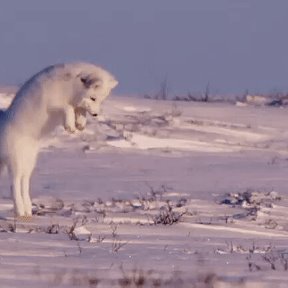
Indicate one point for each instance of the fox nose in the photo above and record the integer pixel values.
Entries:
(95, 114)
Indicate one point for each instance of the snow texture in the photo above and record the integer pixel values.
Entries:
(155, 194)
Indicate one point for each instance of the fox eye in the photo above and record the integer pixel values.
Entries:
(93, 99)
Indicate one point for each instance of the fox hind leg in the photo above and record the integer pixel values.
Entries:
(25, 189)
(20, 170)
(25, 181)
(16, 193)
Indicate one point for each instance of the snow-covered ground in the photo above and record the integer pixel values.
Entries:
(156, 194)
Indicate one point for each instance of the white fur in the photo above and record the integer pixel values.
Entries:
(58, 95)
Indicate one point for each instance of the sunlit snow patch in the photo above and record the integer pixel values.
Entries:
(146, 142)
(5, 100)
(136, 109)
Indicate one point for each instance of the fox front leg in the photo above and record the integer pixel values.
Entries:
(69, 119)
(80, 118)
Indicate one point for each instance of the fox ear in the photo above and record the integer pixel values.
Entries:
(113, 83)
(86, 81)
(89, 81)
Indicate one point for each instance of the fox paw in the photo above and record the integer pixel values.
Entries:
(70, 129)
(80, 126)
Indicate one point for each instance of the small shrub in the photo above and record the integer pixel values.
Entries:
(167, 216)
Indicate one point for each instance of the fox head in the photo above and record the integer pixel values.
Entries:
(94, 85)
(96, 90)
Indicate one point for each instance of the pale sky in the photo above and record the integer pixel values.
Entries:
(234, 45)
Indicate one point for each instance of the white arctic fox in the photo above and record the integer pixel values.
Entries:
(58, 95)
